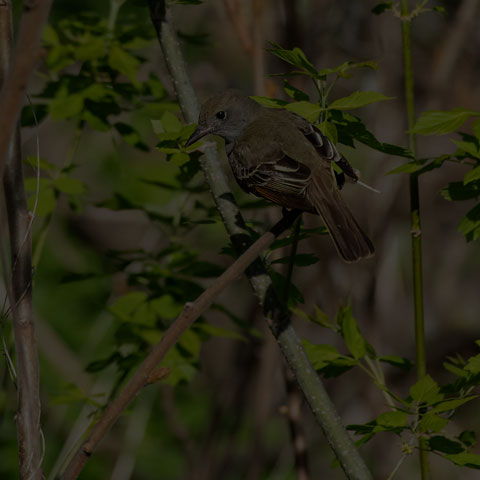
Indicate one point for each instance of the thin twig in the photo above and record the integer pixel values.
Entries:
(144, 373)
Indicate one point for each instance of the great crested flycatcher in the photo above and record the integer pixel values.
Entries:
(280, 156)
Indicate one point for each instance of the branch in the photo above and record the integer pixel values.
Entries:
(30, 448)
(274, 308)
(146, 373)
(35, 14)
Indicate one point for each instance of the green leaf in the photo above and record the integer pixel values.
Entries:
(468, 438)
(330, 130)
(91, 49)
(409, 167)
(476, 128)
(452, 404)
(38, 162)
(124, 62)
(180, 158)
(356, 100)
(294, 57)
(473, 364)
(69, 185)
(393, 419)
(269, 102)
(308, 110)
(352, 128)
(467, 148)
(300, 260)
(470, 224)
(459, 372)
(322, 318)
(443, 444)
(328, 359)
(215, 331)
(472, 175)
(353, 338)
(341, 70)
(426, 390)
(400, 362)
(465, 459)
(432, 422)
(166, 306)
(126, 305)
(458, 191)
(436, 122)
(294, 92)
(191, 342)
(170, 122)
(181, 368)
(46, 202)
(130, 135)
(65, 105)
(381, 7)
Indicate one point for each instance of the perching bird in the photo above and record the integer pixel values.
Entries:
(280, 156)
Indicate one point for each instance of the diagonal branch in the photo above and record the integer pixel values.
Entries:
(147, 372)
(275, 309)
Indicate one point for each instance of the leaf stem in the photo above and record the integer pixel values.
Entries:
(416, 232)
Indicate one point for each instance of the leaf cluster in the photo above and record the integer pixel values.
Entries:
(428, 408)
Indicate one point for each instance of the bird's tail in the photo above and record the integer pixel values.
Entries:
(351, 242)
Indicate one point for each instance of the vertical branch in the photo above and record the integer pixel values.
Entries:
(416, 231)
(27, 53)
(279, 317)
(30, 448)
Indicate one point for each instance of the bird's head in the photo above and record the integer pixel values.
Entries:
(225, 114)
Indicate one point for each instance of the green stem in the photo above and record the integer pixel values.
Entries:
(416, 232)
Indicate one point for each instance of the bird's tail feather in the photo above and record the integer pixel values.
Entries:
(351, 242)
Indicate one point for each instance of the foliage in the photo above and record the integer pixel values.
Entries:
(428, 408)
(98, 80)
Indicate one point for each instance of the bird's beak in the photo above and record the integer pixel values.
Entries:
(199, 132)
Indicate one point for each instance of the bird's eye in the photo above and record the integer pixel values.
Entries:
(221, 115)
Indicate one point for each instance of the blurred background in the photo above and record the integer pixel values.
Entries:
(223, 415)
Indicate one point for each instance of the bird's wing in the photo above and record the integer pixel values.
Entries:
(263, 168)
(324, 147)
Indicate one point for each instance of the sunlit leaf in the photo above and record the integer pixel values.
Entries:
(470, 224)
(436, 122)
(393, 419)
(308, 110)
(353, 338)
(465, 459)
(426, 390)
(356, 100)
(124, 62)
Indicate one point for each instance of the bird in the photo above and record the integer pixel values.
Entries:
(278, 155)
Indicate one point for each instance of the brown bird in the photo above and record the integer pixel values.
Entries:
(278, 155)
